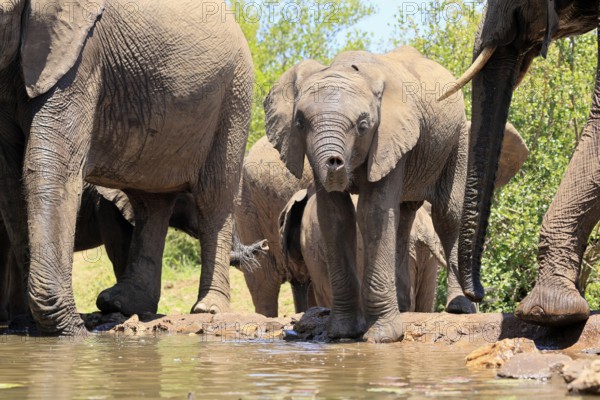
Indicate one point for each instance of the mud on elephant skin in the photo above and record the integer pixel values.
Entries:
(302, 244)
(505, 47)
(391, 146)
(79, 102)
(266, 187)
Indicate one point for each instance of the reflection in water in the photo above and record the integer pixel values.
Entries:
(103, 367)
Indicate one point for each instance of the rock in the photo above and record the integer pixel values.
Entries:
(572, 370)
(313, 324)
(588, 380)
(131, 327)
(533, 366)
(495, 355)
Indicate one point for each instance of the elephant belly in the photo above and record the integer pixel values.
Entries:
(162, 155)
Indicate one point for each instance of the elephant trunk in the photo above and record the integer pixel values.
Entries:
(329, 154)
(492, 95)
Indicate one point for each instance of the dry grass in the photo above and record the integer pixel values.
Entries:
(92, 273)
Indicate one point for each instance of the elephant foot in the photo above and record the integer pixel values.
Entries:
(387, 329)
(460, 304)
(348, 326)
(553, 306)
(212, 303)
(127, 299)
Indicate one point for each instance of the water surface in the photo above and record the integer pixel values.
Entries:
(182, 367)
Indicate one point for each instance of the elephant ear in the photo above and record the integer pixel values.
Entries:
(279, 113)
(512, 157)
(120, 200)
(54, 33)
(290, 224)
(399, 124)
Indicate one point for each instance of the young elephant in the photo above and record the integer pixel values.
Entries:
(370, 125)
(302, 243)
(266, 187)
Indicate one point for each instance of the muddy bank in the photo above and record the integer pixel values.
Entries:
(468, 331)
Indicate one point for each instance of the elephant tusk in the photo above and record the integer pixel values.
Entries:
(469, 74)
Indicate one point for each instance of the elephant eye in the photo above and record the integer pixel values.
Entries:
(299, 123)
(363, 126)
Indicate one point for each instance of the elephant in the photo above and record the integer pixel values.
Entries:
(369, 126)
(106, 218)
(151, 98)
(302, 244)
(265, 188)
(511, 34)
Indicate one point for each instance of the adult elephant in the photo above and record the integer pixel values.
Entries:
(266, 187)
(149, 97)
(511, 35)
(106, 218)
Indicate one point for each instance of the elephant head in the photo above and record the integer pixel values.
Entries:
(511, 35)
(48, 35)
(341, 117)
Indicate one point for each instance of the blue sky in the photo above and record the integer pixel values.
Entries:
(380, 23)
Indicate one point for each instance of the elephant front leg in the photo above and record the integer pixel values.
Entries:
(379, 219)
(575, 210)
(138, 289)
(337, 220)
(53, 197)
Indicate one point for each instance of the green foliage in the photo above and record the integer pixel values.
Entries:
(283, 36)
(549, 109)
(181, 251)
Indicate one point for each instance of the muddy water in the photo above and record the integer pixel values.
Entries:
(182, 367)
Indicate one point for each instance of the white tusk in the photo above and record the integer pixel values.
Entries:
(469, 74)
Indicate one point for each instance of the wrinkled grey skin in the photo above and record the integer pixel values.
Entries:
(266, 187)
(365, 133)
(302, 242)
(518, 29)
(369, 127)
(106, 218)
(103, 92)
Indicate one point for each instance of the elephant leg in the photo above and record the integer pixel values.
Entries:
(117, 234)
(379, 218)
(264, 285)
(404, 276)
(575, 210)
(337, 220)
(14, 240)
(446, 215)
(6, 293)
(218, 184)
(54, 184)
(300, 293)
(427, 275)
(312, 296)
(138, 290)
(16, 301)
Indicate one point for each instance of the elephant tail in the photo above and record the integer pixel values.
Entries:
(244, 257)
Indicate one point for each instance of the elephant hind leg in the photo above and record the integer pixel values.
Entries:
(217, 186)
(264, 284)
(575, 210)
(138, 289)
